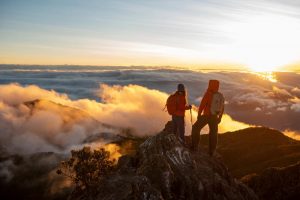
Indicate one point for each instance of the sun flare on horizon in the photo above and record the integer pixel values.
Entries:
(267, 75)
(265, 43)
(263, 69)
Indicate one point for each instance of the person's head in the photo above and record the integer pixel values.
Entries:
(213, 85)
(181, 88)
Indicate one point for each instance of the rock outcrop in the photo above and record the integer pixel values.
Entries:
(164, 169)
(276, 183)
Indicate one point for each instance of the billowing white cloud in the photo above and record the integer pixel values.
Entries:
(282, 109)
(295, 107)
(14, 94)
(257, 109)
(296, 91)
(58, 123)
(281, 91)
(255, 98)
(292, 134)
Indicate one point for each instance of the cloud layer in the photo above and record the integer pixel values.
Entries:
(132, 99)
(57, 123)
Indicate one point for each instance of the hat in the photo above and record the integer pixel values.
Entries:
(180, 88)
(213, 85)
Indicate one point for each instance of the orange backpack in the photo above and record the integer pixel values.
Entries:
(172, 104)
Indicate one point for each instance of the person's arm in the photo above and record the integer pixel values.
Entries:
(187, 107)
(222, 112)
(221, 115)
(203, 103)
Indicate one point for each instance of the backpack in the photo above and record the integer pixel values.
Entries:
(217, 103)
(172, 104)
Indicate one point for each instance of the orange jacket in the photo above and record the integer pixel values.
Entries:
(205, 104)
(181, 104)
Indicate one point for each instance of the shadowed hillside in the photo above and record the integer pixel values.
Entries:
(252, 150)
(32, 177)
(276, 183)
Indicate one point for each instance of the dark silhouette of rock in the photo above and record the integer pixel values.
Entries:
(276, 183)
(164, 169)
(32, 177)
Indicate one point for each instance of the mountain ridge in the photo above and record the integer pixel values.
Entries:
(254, 149)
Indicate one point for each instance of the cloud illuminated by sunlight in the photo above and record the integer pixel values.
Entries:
(292, 134)
(267, 75)
(49, 128)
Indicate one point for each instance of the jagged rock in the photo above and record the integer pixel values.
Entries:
(164, 169)
(276, 183)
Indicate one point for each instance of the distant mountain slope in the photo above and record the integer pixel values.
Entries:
(73, 116)
(68, 114)
(252, 150)
(276, 183)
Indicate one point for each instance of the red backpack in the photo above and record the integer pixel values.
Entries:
(172, 104)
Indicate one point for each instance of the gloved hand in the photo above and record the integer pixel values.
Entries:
(219, 120)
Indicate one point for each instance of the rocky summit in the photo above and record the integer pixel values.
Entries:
(164, 169)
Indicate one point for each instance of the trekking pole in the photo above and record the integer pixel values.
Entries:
(191, 116)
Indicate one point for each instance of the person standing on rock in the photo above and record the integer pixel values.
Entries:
(176, 105)
(210, 112)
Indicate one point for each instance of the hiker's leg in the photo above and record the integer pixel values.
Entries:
(174, 122)
(196, 128)
(181, 128)
(213, 134)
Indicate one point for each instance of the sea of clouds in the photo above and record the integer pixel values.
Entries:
(57, 123)
(133, 97)
(250, 98)
(59, 108)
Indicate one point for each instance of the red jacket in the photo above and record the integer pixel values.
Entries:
(181, 104)
(205, 104)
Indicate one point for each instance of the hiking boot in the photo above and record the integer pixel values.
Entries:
(194, 148)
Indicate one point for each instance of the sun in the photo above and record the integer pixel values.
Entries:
(263, 68)
(266, 42)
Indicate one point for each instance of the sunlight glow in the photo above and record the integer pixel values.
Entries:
(265, 43)
(269, 76)
(264, 69)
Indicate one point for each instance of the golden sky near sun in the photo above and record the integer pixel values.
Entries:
(262, 36)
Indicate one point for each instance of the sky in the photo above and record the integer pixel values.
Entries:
(261, 35)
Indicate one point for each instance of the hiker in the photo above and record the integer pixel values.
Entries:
(210, 112)
(176, 106)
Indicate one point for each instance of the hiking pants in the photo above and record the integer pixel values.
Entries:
(212, 121)
(178, 126)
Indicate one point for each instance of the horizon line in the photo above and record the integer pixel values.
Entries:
(242, 68)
